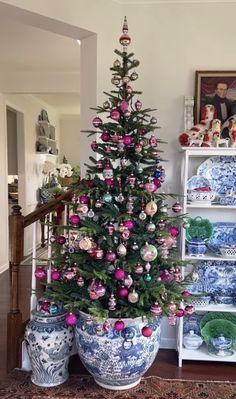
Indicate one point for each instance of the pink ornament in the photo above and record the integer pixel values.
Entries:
(97, 121)
(123, 106)
(138, 105)
(114, 114)
(156, 309)
(106, 325)
(129, 224)
(150, 187)
(177, 207)
(172, 320)
(147, 331)
(74, 220)
(174, 231)
(157, 182)
(110, 256)
(141, 131)
(119, 325)
(127, 140)
(94, 145)
(129, 89)
(69, 273)
(180, 312)
(61, 240)
(40, 273)
(71, 319)
(164, 275)
(55, 275)
(119, 274)
(100, 290)
(161, 224)
(123, 292)
(153, 141)
(45, 306)
(98, 253)
(138, 148)
(84, 199)
(138, 269)
(125, 40)
(186, 294)
(105, 136)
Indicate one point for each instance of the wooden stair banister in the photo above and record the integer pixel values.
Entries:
(17, 225)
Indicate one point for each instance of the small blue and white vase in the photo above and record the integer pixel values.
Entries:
(49, 343)
(196, 247)
(116, 359)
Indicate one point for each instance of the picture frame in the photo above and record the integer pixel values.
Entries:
(206, 84)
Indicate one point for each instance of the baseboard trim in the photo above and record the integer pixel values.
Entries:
(3, 268)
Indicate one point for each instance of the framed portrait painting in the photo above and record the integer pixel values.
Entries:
(217, 88)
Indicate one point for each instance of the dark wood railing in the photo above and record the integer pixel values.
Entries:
(17, 225)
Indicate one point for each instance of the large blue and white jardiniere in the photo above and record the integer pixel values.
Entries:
(49, 343)
(116, 359)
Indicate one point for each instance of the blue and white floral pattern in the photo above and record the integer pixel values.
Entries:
(215, 278)
(116, 359)
(49, 343)
(220, 171)
(223, 234)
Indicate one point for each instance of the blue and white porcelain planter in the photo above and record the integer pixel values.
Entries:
(49, 343)
(116, 359)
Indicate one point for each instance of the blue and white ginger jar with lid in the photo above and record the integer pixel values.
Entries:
(49, 343)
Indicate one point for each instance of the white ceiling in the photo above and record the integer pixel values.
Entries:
(26, 48)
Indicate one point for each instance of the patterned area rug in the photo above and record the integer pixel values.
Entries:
(19, 386)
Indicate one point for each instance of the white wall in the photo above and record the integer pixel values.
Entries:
(70, 139)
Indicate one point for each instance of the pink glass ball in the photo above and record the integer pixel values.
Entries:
(123, 106)
(174, 231)
(156, 309)
(105, 136)
(147, 331)
(61, 240)
(129, 224)
(94, 145)
(71, 319)
(180, 312)
(55, 275)
(110, 256)
(123, 292)
(150, 187)
(97, 121)
(119, 325)
(119, 274)
(127, 140)
(115, 115)
(40, 273)
(177, 207)
(74, 219)
(84, 199)
(138, 105)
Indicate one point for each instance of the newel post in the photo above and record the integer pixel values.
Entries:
(14, 319)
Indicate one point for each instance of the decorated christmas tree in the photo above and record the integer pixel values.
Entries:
(117, 257)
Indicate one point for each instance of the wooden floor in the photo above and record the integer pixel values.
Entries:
(165, 365)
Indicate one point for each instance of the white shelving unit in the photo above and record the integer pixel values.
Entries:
(192, 158)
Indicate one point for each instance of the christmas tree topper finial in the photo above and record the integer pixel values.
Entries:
(125, 39)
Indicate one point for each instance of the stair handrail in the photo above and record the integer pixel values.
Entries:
(17, 224)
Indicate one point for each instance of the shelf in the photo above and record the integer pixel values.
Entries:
(212, 206)
(200, 151)
(216, 308)
(202, 354)
(209, 257)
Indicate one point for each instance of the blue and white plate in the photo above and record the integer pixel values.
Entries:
(221, 171)
(216, 277)
(223, 234)
(197, 181)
